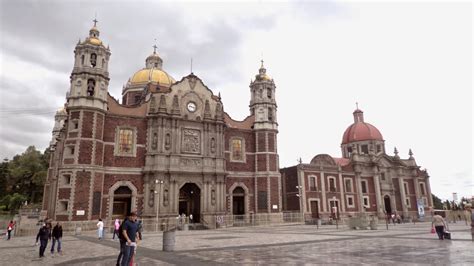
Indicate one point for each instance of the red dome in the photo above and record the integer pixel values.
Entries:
(361, 131)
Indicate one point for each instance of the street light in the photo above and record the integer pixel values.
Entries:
(300, 196)
(157, 194)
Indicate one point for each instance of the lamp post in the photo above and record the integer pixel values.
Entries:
(157, 202)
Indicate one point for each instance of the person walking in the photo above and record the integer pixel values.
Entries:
(100, 229)
(439, 224)
(10, 228)
(43, 235)
(130, 229)
(116, 228)
(57, 236)
(122, 240)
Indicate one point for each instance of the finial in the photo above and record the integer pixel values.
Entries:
(191, 65)
(154, 47)
(300, 160)
(95, 19)
(357, 106)
(395, 151)
(219, 95)
(262, 63)
(410, 153)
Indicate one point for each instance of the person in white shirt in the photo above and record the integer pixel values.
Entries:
(100, 229)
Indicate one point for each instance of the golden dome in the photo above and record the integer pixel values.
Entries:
(146, 75)
(93, 41)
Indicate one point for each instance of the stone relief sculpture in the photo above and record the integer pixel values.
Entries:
(165, 197)
(191, 141)
(213, 196)
(154, 143)
(151, 199)
(167, 141)
(213, 145)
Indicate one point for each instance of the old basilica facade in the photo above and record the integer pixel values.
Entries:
(169, 148)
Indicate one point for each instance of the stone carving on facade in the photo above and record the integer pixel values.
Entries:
(187, 162)
(219, 111)
(152, 105)
(154, 143)
(175, 110)
(167, 141)
(191, 142)
(165, 197)
(151, 199)
(213, 196)
(207, 110)
(192, 82)
(260, 114)
(162, 107)
(213, 145)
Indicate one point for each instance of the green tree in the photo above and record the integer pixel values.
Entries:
(27, 173)
(4, 177)
(437, 202)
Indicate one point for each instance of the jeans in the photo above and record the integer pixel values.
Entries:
(440, 231)
(127, 255)
(116, 232)
(44, 243)
(122, 249)
(100, 233)
(54, 242)
(9, 234)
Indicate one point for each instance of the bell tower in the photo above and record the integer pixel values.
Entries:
(90, 76)
(262, 101)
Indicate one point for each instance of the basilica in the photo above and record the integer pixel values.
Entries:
(168, 148)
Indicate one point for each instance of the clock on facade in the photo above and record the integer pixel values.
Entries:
(191, 107)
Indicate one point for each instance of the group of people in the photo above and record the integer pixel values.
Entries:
(46, 233)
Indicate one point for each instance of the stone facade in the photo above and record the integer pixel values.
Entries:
(365, 180)
(169, 148)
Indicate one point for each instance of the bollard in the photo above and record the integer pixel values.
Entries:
(168, 240)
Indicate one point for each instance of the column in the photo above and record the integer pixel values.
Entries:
(343, 200)
(378, 196)
(147, 195)
(359, 193)
(402, 196)
(323, 191)
(301, 190)
(428, 191)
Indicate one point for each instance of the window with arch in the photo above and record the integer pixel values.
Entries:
(90, 87)
(82, 59)
(269, 93)
(237, 152)
(348, 185)
(312, 183)
(93, 59)
(270, 114)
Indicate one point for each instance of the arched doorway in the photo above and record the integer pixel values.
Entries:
(388, 206)
(190, 201)
(238, 201)
(122, 202)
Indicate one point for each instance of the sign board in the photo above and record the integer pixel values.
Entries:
(421, 207)
(80, 212)
(275, 207)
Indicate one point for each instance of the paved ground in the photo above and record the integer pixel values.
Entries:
(405, 244)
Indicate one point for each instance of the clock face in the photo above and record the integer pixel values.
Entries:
(191, 107)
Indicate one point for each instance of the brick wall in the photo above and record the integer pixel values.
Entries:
(274, 193)
(81, 194)
(85, 152)
(64, 193)
(261, 162)
(87, 124)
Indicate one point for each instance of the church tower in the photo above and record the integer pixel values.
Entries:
(82, 174)
(90, 76)
(262, 101)
(264, 108)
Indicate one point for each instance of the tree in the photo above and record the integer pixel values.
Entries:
(27, 173)
(437, 202)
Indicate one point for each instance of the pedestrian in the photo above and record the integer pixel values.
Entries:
(130, 229)
(100, 229)
(140, 229)
(399, 219)
(10, 228)
(191, 218)
(57, 236)
(122, 240)
(439, 224)
(116, 228)
(43, 235)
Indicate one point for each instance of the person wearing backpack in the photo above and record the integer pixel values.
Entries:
(122, 240)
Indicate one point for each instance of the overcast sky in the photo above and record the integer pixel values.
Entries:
(409, 65)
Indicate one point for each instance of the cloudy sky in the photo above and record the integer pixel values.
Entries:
(409, 65)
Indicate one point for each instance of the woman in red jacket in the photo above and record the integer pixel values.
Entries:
(11, 226)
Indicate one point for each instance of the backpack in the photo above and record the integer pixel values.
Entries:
(120, 233)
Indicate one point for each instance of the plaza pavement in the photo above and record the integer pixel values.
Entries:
(404, 244)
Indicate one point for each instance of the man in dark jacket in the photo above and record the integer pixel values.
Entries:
(122, 240)
(43, 235)
(57, 237)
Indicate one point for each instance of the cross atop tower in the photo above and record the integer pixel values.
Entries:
(357, 105)
(95, 22)
(154, 48)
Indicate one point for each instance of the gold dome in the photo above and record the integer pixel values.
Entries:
(152, 75)
(93, 41)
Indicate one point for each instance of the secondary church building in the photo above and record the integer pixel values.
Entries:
(168, 147)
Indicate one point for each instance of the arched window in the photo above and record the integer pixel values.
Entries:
(269, 93)
(270, 114)
(90, 87)
(236, 150)
(93, 60)
(82, 59)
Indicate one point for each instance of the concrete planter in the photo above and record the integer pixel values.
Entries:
(168, 240)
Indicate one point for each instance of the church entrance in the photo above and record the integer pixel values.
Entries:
(190, 201)
(238, 201)
(388, 206)
(122, 202)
